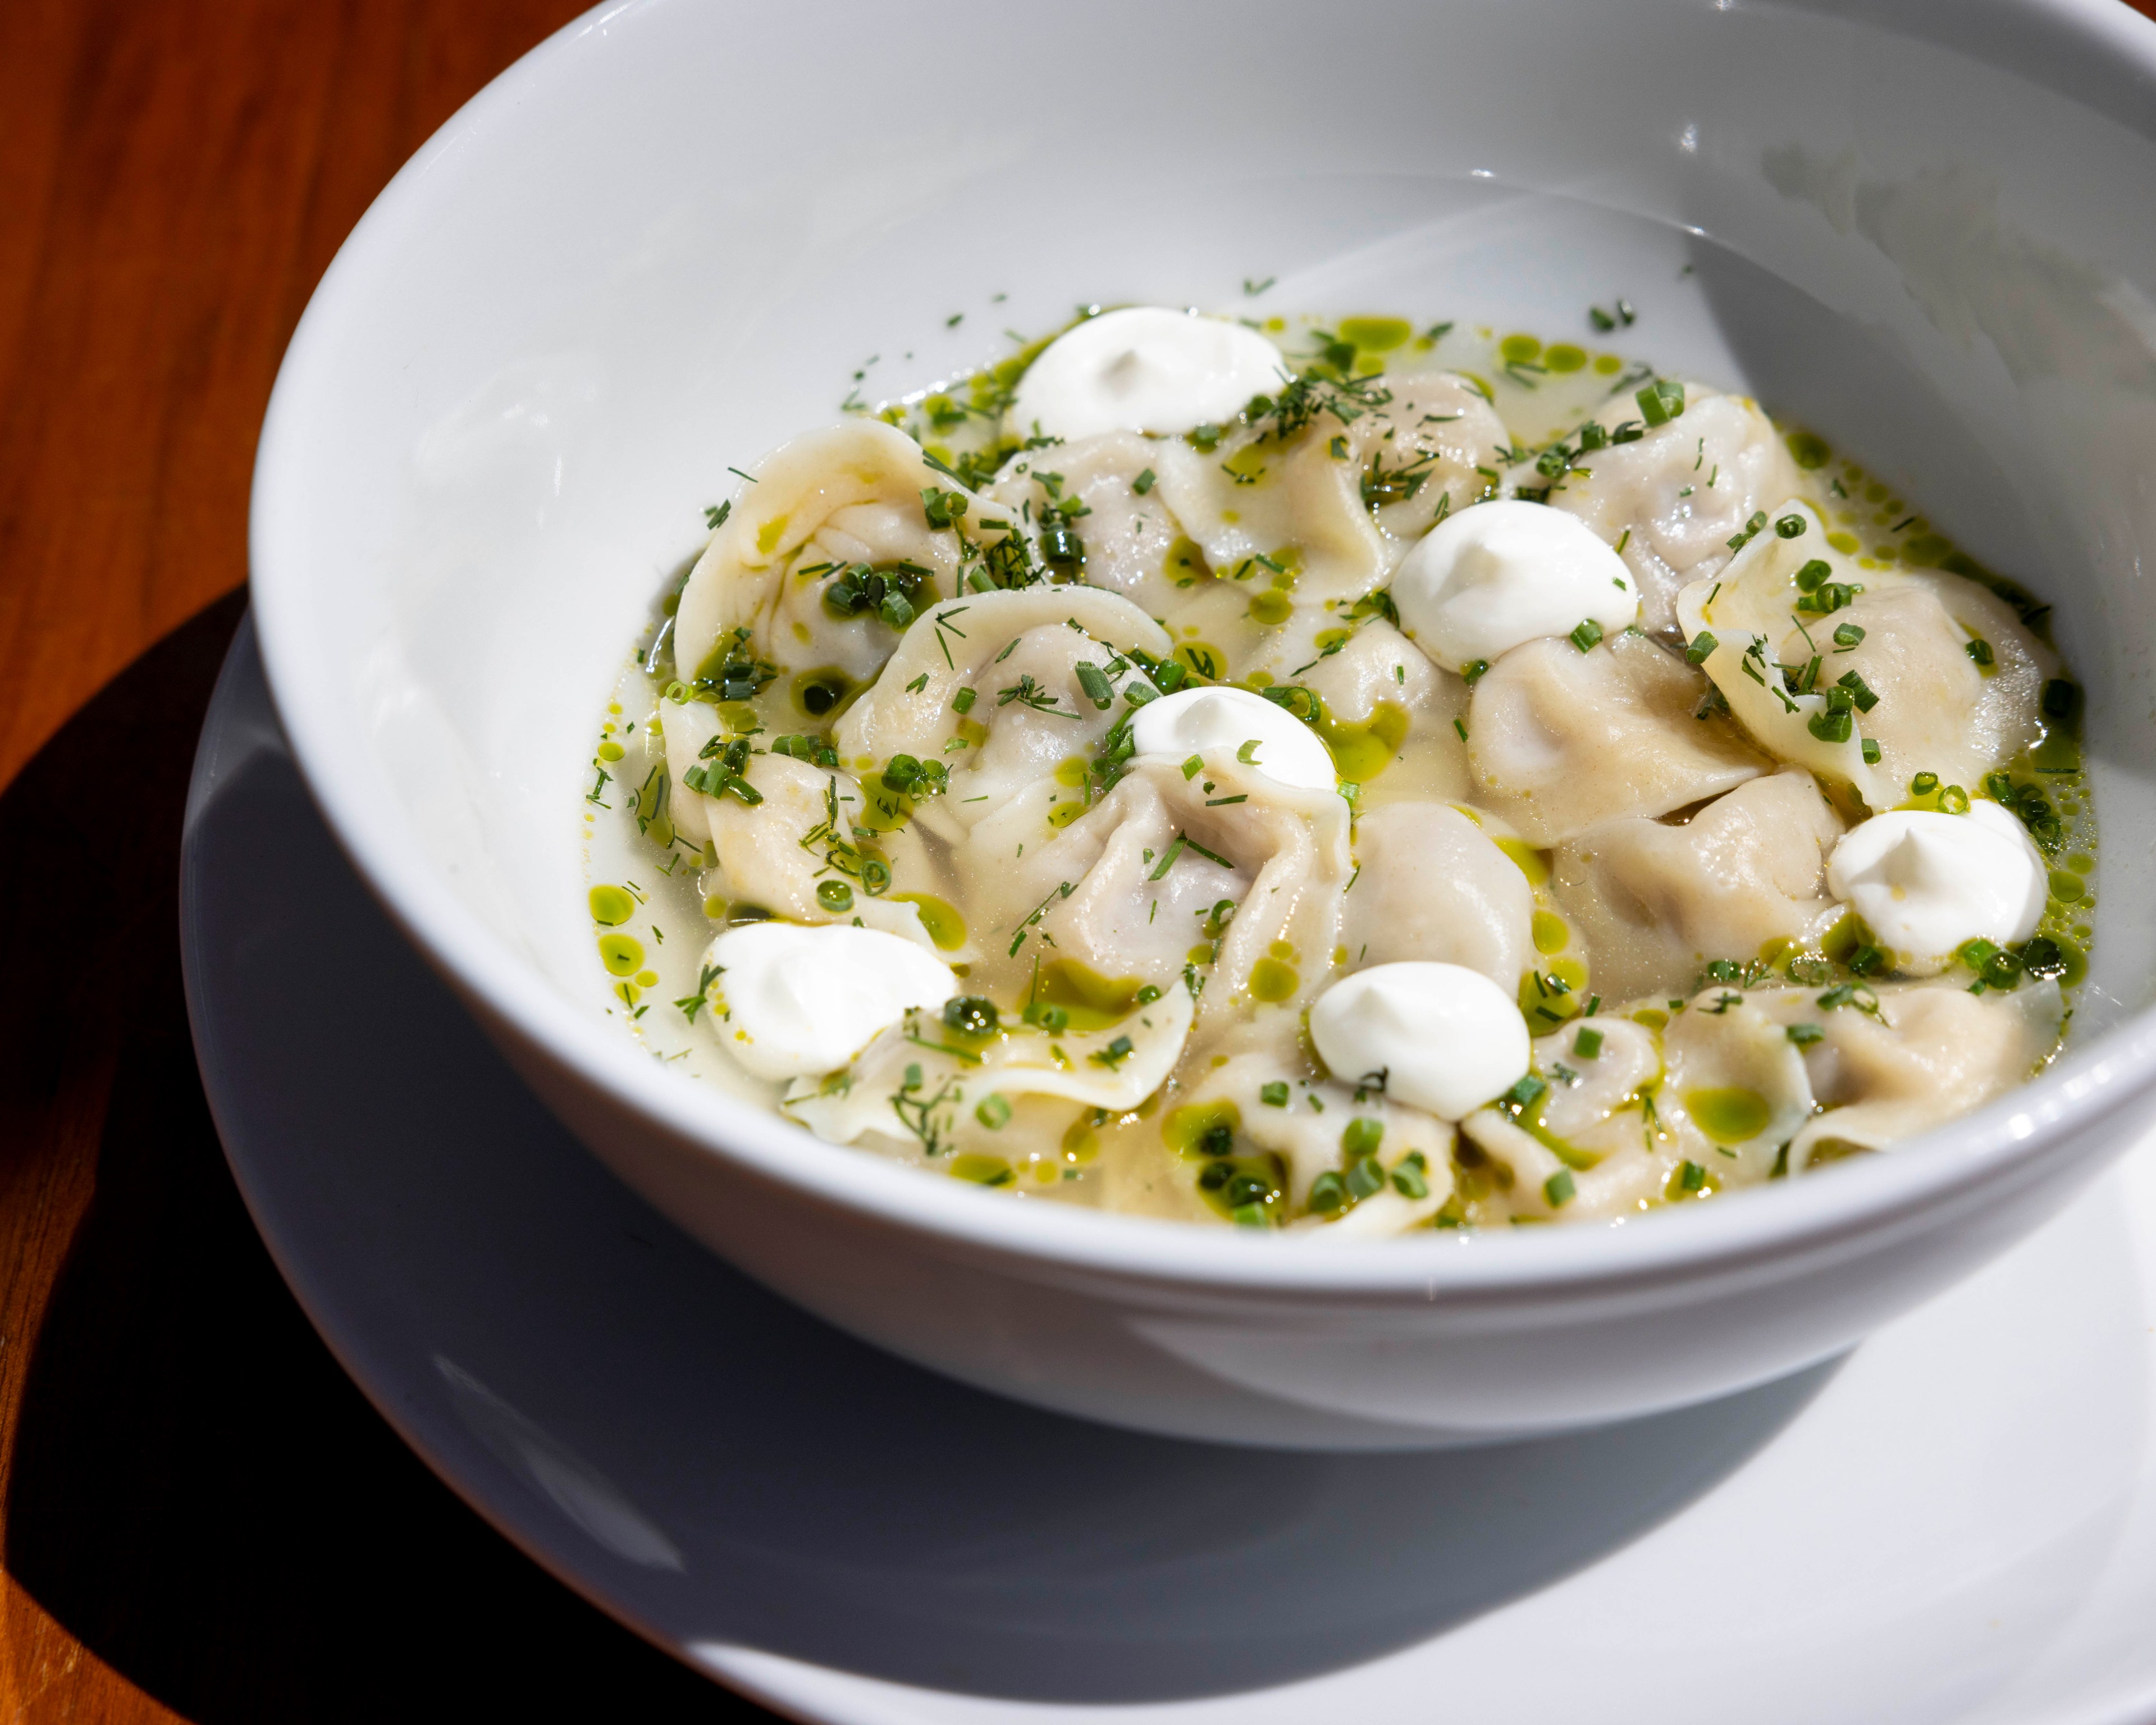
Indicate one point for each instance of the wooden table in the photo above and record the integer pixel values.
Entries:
(200, 1518)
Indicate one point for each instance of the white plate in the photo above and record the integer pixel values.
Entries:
(1957, 1522)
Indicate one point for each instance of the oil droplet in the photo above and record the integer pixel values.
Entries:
(1519, 349)
(1729, 1116)
(2065, 887)
(1081, 1142)
(647, 979)
(1282, 950)
(1272, 981)
(1807, 451)
(767, 536)
(623, 954)
(1271, 606)
(1184, 561)
(1186, 1129)
(1565, 358)
(716, 909)
(1362, 752)
(1550, 933)
(1376, 334)
(982, 1170)
(1531, 862)
(1608, 364)
(1845, 543)
(1064, 813)
(1072, 770)
(1094, 1002)
(611, 906)
(611, 752)
(945, 926)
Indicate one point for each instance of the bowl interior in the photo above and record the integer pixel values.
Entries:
(671, 240)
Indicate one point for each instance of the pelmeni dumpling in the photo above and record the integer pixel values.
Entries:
(1560, 740)
(828, 501)
(1433, 886)
(1745, 875)
(1681, 493)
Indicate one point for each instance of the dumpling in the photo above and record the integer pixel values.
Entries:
(1135, 888)
(1735, 1089)
(1425, 453)
(921, 1079)
(1310, 1130)
(1103, 490)
(1294, 502)
(989, 688)
(1392, 716)
(1894, 651)
(1585, 1144)
(1939, 710)
(1681, 492)
(1657, 901)
(1890, 1063)
(1736, 623)
(778, 567)
(1432, 885)
(1559, 741)
(807, 827)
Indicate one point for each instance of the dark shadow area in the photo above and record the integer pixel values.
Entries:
(198, 1492)
(724, 1469)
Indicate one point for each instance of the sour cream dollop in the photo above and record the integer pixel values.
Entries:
(1447, 1038)
(1203, 721)
(807, 1000)
(1501, 574)
(1143, 369)
(1927, 883)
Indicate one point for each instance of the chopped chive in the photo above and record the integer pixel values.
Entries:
(1587, 634)
(1143, 483)
(1923, 784)
(1558, 1190)
(1803, 1036)
(1471, 673)
(1788, 526)
(993, 1112)
(1588, 1045)
(1274, 1095)
(1871, 748)
(1193, 767)
(1702, 645)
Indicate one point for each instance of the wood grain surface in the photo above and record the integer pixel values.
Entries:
(200, 1517)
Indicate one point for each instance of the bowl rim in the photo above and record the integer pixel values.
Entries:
(2078, 1093)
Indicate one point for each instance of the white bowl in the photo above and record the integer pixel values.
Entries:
(664, 241)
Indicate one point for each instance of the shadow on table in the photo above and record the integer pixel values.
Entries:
(198, 1494)
(724, 1471)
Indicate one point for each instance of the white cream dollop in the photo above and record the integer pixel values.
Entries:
(1926, 884)
(803, 1001)
(1144, 368)
(1501, 574)
(1202, 721)
(1447, 1039)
